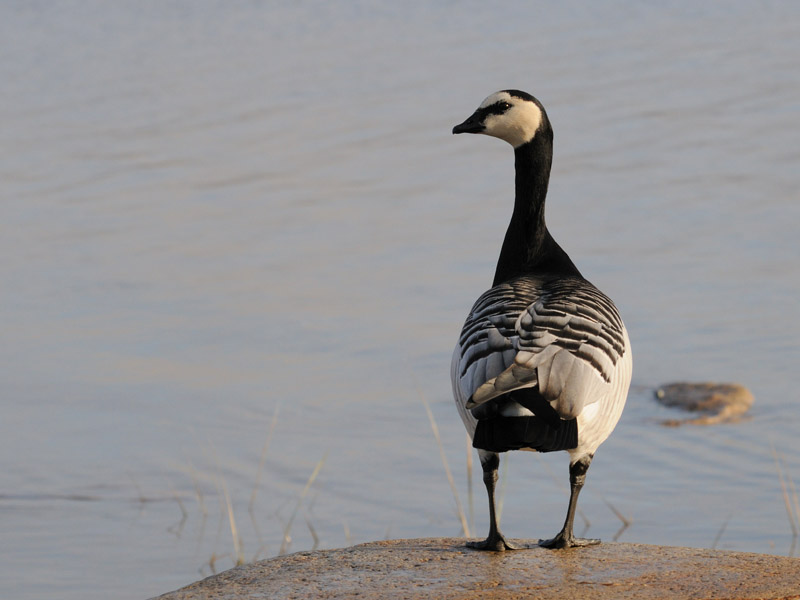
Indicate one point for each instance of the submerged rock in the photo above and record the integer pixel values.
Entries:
(715, 402)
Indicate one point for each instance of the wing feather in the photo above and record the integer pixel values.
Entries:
(562, 335)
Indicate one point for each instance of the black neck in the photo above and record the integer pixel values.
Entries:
(528, 247)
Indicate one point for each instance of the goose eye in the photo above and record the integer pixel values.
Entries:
(505, 105)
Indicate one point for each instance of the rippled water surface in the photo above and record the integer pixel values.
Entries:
(231, 227)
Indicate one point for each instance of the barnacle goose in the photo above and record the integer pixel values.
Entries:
(543, 362)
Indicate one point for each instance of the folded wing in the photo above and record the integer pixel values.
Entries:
(562, 336)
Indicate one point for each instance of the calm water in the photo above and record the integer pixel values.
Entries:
(216, 214)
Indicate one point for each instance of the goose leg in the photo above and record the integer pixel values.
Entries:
(495, 542)
(566, 538)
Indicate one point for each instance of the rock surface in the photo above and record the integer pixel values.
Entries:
(444, 568)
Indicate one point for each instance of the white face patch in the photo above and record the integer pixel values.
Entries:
(518, 124)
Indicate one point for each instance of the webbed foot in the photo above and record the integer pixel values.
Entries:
(496, 543)
(567, 541)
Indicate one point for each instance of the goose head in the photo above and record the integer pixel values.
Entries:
(510, 115)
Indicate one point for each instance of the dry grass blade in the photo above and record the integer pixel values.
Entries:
(237, 540)
(197, 491)
(257, 484)
(222, 487)
(586, 522)
(313, 534)
(177, 499)
(221, 519)
(620, 516)
(212, 563)
(786, 499)
(720, 532)
(347, 535)
(286, 537)
(263, 460)
(626, 522)
(435, 428)
(794, 497)
(618, 533)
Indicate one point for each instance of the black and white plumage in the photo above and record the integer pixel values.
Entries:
(543, 362)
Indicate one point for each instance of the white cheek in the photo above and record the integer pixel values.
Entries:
(517, 126)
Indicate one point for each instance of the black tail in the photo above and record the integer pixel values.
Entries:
(501, 434)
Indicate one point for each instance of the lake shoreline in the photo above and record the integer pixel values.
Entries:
(445, 568)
